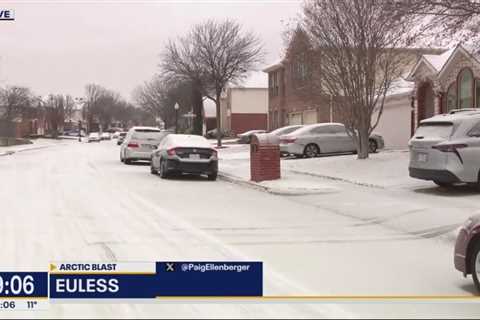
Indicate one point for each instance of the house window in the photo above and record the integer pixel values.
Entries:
(465, 89)
(273, 83)
(452, 97)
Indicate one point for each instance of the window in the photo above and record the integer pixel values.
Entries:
(452, 97)
(273, 83)
(338, 130)
(465, 89)
(475, 132)
(434, 130)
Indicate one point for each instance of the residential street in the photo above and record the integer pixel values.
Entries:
(76, 201)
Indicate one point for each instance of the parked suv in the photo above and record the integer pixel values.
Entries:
(446, 148)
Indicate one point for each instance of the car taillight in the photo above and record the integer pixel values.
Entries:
(449, 147)
(132, 145)
(287, 141)
(171, 152)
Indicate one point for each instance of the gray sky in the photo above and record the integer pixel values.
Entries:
(59, 46)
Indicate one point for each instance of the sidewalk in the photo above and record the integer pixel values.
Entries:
(235, 167)
(382, 170)
(37, 144)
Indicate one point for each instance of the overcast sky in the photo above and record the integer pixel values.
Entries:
(59, 46)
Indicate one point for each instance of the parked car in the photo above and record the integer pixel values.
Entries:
(467, 250)
(106, 136)
(446, 149)
(116, 134)
(285, 130)
(94, 137)
(246, 137)
(314, 139)
(121, 138)
(212, 134)
(139, 143)
(179, 153)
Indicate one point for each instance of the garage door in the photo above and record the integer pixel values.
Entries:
(294, 118)
(310, 117)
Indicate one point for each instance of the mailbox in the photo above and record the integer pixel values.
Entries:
(264, 157)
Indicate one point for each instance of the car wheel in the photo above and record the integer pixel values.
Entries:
(372, 146)
(311, 150)
(442, 184)
(127, 161)
(213, 176)
(475, 265)
(163, 170)
(152, 168)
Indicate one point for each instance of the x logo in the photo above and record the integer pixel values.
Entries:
(170, 266)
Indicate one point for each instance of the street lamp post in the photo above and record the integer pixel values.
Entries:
(176, 107)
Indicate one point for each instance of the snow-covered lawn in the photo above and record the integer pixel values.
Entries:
(37, 144)
(383, 169)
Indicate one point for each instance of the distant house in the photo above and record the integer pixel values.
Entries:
(294, 98)
(243, 106)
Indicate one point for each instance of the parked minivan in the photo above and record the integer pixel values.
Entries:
(446, 148)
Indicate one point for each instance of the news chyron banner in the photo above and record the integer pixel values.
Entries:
(152, 280)
(23, 291)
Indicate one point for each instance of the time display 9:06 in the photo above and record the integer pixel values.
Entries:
(17, 285)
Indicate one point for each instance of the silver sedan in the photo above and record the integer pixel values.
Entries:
(312, 140)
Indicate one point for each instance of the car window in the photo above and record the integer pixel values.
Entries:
(147, 135)
(434, 130)
(338, 129)
(475, 132)
(320, 130)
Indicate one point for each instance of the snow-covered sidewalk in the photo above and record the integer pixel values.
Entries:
(37, 144)
(235, 167)
(382, 170)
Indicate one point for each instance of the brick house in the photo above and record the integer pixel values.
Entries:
(295, 99)
(444, 82)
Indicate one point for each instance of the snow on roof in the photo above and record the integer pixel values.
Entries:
(277, 64)
(187, 141)
(256, 79)
(209, 108)
(438, 60)
(400, 86)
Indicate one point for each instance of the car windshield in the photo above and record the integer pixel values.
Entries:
(435, 130)
(148, 134)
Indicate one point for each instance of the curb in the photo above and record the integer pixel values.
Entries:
(363, 184)
(275, 191)
(11, 152)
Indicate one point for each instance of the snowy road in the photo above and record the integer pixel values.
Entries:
(78, 202)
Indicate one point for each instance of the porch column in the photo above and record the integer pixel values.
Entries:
(437, 91)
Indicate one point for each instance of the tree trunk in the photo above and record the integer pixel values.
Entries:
(363, 144)
(219, 121)
(197, 101)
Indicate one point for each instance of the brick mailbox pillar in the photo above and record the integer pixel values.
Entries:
(264, 157)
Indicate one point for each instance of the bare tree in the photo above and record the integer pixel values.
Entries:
(446, 20)
(359, 43)
(212, 55)
(57, 108)
(15, 101)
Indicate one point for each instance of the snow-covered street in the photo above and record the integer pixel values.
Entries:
(76, 201)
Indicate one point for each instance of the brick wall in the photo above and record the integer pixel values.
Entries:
(265, 163)
(242, 122)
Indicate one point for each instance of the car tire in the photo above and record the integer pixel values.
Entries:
(213, 176)
(311, 150)
(475, 265)
(163, 170)
(127, 161)
(372, 146)
(152, 168)
(442, 184)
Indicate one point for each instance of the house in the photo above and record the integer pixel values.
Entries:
(243, 106)
(294, 98)
(444, 82)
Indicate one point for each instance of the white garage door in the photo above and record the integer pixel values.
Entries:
(294, 118)
(310, 117)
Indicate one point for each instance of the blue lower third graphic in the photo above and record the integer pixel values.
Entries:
(160, 279)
